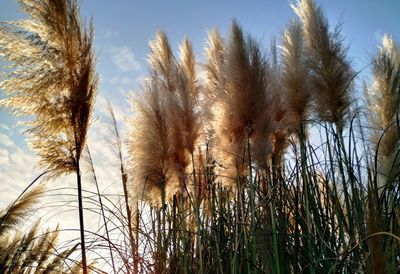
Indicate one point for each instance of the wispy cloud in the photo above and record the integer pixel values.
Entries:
(123, 81)
(124, 59)
(4, 156)
(5, 127)
(18, 168)
(5, 140)
(108, 34)
(102, 109)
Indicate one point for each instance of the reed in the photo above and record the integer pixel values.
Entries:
(257, 169)
(52, 79)
(330, 71)
(33, 251)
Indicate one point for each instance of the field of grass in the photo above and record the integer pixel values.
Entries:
(257, 161)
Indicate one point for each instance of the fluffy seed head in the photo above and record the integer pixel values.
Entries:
(383, 101)
(52, 79)
(295, 77)
(330, 71)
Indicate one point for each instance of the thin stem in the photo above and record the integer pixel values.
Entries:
(81, 222)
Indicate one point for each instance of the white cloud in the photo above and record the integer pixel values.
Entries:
(5, 127)
(110, 34)
(119, 109)
(124, 59)
(59, 205)
(123, 81)
(5, 140)
(4, 158)
(20, 157)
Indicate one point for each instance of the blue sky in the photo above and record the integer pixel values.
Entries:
(123, 26)
(123, 29)
(126, 27)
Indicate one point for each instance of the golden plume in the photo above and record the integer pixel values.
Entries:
(330, 71)
(215, 53)
(383, 101)
(51, 78)
(150, 144)
(168, 112)
(295, 76)
(188, 95)
(32, 252)
(237, 83)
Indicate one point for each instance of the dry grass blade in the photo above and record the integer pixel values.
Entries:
(16, 214)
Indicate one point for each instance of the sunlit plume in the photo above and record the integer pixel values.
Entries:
(383, 101)
(330, 71)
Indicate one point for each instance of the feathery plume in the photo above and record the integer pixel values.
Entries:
(150, 144)
(172, 91)
(168, 77)
(188, 95)
(15, 214)
(32, 252)
(162, 61)
(52, 78)
(240, 102)
(295, 75)
(215, 53)
(263, 80)
(383, 101)
(330, 71)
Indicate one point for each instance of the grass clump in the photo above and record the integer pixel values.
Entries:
(264, 166)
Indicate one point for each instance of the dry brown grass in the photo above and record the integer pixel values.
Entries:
(52, 78)
(330, 71)
(383, 104)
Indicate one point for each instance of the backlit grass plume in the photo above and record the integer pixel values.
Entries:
(330, 71)
(151, 144)
(383, 102)
(51, 78)
(165, 73)
(295, 76)
(167, 110)
(215, 53)
(15, 214)
(183, 110)
(237, 79)
(188, 97)
(162, 61)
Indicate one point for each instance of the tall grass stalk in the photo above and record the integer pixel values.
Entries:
(264, 167)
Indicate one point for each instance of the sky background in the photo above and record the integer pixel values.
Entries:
(122, 31)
